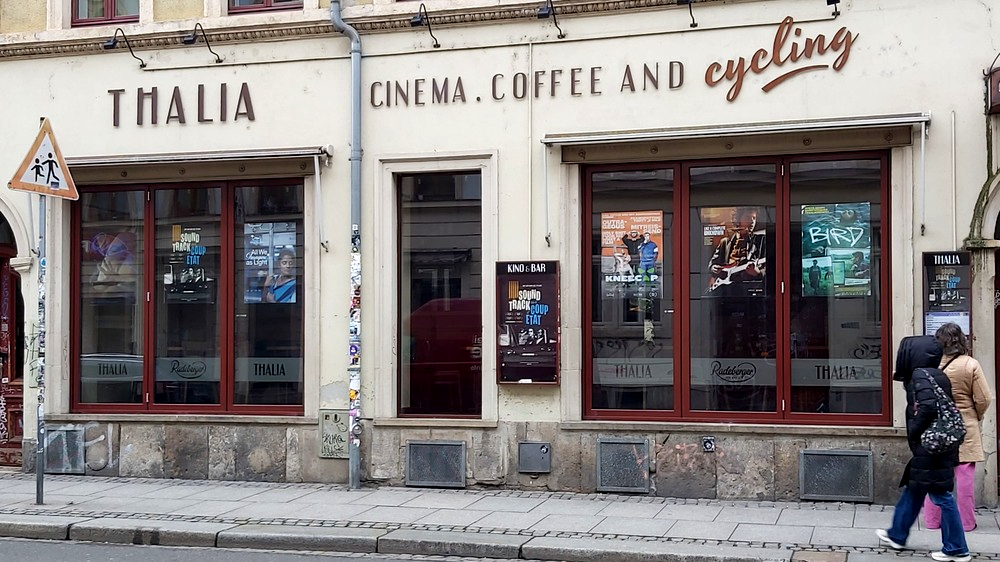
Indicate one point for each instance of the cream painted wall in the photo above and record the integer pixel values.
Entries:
(22, 16)
(300, 92)
(167, 10)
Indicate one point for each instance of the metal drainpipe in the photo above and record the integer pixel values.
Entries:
(354, 328)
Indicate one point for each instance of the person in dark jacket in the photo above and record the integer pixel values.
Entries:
(926, 475)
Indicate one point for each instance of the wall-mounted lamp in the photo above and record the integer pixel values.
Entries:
(113, 42)
(836, 7)
(422, 19)
(690, 10)
(192, 38)
(546, 10)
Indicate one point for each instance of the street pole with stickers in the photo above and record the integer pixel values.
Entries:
(43, 171)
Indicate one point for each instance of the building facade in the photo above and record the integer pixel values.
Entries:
(658, 248)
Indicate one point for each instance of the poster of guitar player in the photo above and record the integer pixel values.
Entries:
(734, 250)
(836, 250)
(631, 256)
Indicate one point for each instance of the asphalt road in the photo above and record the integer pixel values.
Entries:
(25, 550)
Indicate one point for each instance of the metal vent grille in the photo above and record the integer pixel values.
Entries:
(435, 464)
(622, 465)
(839, 475)
(64, 451)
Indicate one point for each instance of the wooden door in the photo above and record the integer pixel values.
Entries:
(11, 364)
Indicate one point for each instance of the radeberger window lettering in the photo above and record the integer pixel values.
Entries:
(781, 300)
(225, 298)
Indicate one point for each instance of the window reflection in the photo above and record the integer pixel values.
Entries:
(111, 289)
(269, 295)
(836, 328)
(631, 343)
(440, 299)
(733, 329)
(187, 367)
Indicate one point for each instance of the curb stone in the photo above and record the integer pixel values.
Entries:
(149, 532)
(275, 537)
(445, 543)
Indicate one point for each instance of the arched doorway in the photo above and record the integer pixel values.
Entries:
(11, 352)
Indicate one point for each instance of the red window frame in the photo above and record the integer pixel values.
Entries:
(680, 255)
(268, 5)
(109, 8)
(226, 306)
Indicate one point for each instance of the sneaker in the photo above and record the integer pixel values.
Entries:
(883, 536)
(942, 557)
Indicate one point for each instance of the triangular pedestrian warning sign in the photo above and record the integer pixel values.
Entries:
(44, 170)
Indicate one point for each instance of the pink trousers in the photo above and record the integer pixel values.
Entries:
(965, 497)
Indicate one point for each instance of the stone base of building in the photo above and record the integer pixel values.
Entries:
(746, 462)
(760, 464)
(199, 451)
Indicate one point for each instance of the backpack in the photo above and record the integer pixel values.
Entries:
(947, 430)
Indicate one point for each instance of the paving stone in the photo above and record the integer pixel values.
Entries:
(438, 501)
(873, 519)
(331, 512)
(633, 526)
(631, 510)
(817, 517)
(838, 536)
(506, 504)
(749, 515)
(690, 512)
(225, 494)
(720, 531)
(509, 520)
(387, 498)
(389, 514)
(210, 508)
(569, 507)
(791, 534)
(453, 517)
(569, 523)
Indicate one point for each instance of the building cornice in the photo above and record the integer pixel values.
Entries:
(310, 28)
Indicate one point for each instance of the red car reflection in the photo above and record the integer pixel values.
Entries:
(444, 342)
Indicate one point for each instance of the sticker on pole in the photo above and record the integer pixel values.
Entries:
(44, 170)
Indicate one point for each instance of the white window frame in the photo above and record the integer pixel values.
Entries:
(383, 231)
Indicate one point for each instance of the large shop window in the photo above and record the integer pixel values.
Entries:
(189, 298)
(440, 294)
(97, 12)
(746, 290)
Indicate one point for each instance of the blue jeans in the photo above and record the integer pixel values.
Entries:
(907, 509)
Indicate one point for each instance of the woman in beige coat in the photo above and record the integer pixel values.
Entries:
(972, 396)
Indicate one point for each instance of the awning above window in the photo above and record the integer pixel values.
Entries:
(197, 166)
(742, 139)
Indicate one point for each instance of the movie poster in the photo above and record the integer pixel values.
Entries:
(947, 290)
(185, 279)
(836, 250)
(631, 253)
(269, 263)
(734, 250)
(528, 322)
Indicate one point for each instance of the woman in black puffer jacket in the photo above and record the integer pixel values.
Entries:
(926, 474)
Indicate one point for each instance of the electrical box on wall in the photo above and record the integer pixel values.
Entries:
(534, 457)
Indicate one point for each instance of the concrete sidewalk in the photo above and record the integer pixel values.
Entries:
(505, 524)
